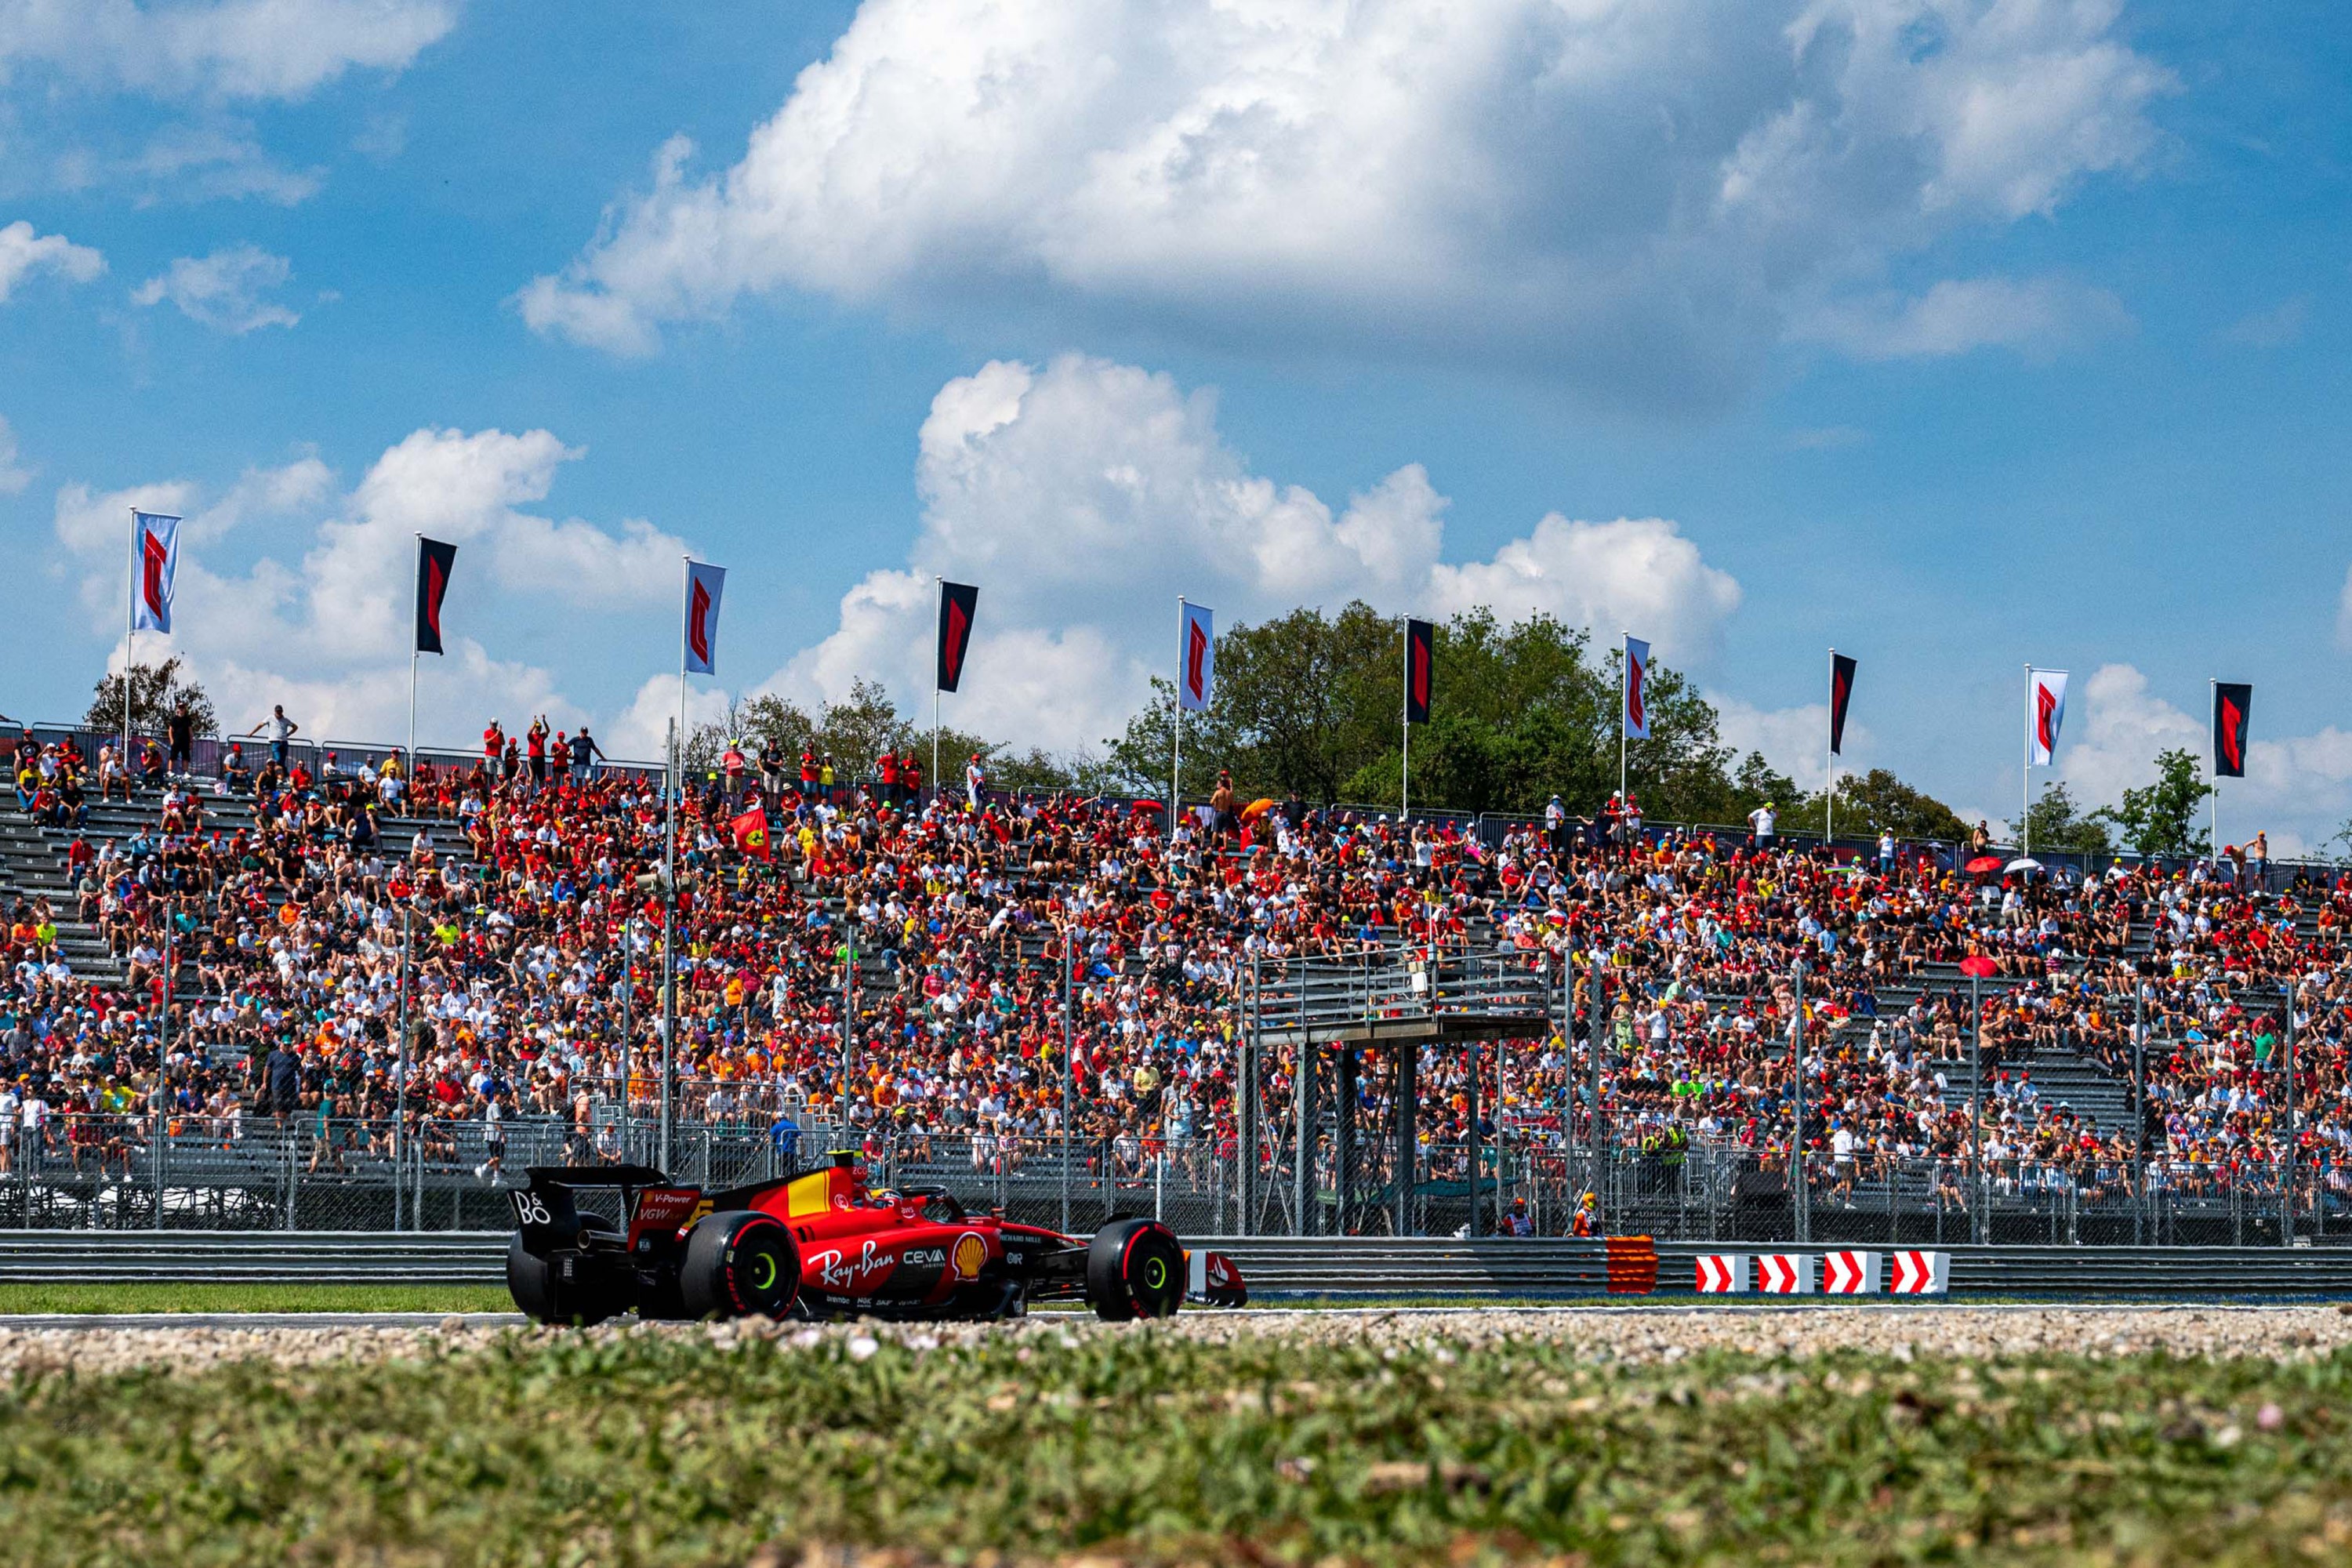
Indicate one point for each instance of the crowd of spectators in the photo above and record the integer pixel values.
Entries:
(895, 963)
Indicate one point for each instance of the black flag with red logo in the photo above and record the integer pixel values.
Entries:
(434, 561)
(2233, 700)
(1420, 654)
(957, 603)
(1840, 692)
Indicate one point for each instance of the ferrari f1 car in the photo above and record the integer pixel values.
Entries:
(821, 1244)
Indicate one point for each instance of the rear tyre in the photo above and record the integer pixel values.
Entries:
(1135, 1268)
(543, 1298)
(530, 1282)
(738, 1265)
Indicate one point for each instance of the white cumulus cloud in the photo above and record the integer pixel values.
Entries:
(1083, 496)
(2035, 317)
(1637, 196)
(330, 631)
(229, 49)
(2297, 788)
(23, 253)
(14, 475)
(225, 291)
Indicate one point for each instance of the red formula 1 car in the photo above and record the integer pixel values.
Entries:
(822, 1244)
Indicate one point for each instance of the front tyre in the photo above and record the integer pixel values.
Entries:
(740, 1264)
(1135, 1268)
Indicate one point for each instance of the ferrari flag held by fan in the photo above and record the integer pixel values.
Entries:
(156, 562)
(2234, 702)
(752, 833)
(2045, 711)
(1196, 656)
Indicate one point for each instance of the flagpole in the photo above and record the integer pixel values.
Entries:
(1829, 761)
(129, 636)
(1404, 781)
(1625, 687)
(940, 606)
(2214, 851)
(2025, 775)
(676, 781)
(416, 608)
(1176, 761)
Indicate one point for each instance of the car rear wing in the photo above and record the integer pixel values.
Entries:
(545, 1212)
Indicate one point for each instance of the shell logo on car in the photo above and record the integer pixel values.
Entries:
(970, 1255)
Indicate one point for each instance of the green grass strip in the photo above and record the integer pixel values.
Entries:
(1155, 1449)
(206, 1297)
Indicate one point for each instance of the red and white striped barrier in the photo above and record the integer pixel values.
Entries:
(1849, 1273)
(1722, 1273)
(1922, 1273)
(1785, 1273)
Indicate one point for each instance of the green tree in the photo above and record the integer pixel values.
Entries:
(2055, 822)
(1311, 704)
(155, 690)
(1877, 802)
(2161, 818)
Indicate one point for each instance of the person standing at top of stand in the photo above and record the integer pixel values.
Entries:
(282, 731)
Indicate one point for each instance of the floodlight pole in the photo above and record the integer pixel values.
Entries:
(2139, 1108)
(669, 946)
(1068, 1003)
(1982, 1229)
(2286, 1225)
(1799, 1196)
(400, 1081)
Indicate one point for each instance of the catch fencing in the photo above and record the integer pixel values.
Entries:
(264, 1174)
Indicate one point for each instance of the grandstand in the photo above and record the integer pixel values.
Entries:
(1337, 1024)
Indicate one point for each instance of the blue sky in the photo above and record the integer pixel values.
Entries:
(1959, 335)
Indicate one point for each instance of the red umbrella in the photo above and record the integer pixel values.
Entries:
(1979, 966)
(1983, 864)
(1146, 807)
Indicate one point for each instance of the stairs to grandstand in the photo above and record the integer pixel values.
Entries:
(33, 864)
(33, 867)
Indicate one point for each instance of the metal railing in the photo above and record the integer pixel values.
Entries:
(271, 1173)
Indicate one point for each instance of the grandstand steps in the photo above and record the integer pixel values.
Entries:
(2060, 1077)
(32, 867)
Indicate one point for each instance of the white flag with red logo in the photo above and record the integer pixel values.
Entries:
(702, 588)
(155, 560)
(1196, 656)
(1637, 694)
(2045, 711)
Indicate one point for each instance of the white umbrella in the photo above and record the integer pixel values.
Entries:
(2023, 863)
